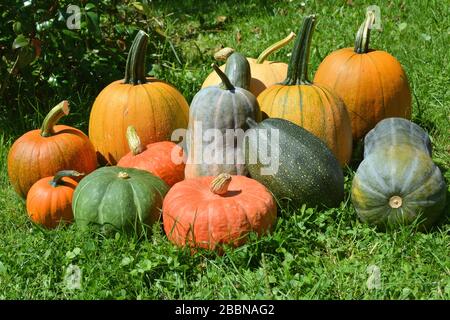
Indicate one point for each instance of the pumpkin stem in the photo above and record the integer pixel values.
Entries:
(251, 123)
(134, 143)
(277, 45)
(298, 65)
(56, 181)
(363, 34)
(223, 54)
(123, 175)
(226, 83)
(220, 184)
(60, 110)
(135, 67)
(395, 202)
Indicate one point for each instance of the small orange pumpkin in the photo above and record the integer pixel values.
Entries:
(42, 153)
(264, 73)
(49, 200)
(207, 212)
(372, 83)
(164, 159)
(309, 105)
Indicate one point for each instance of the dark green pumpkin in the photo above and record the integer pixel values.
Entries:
(238, 71)
(308, 172)
(221, 107)
(119, 199)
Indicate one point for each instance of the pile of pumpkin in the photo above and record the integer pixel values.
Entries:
(357, 93)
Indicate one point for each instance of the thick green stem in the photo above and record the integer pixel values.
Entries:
(363, 34)
(135, 68)
(277, 45)
(60, 110)
(56, 181)
(226, 83)
(298, 65)
(134, 143)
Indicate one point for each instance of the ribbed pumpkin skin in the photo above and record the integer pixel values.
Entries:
(157, 159)
(263, 75)
(194, 216)
(314, 108)
(33, 157)
(308, 172)
(155, 109)
(403, 171)
(48, 205)
(373, 86)
(112, 203)
(217, 108)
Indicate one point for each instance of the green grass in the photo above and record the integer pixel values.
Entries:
(311, 254)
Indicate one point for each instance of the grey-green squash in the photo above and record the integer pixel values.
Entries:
(224, 109)
(398, 183)
(305, 171)
(119, 199)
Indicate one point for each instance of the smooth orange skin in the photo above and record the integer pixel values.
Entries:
(263, 75)
(157, 159)
(194, 216)
(155, 109)
(373, 86)
(33, 157)
(314, 108)
(49, 206)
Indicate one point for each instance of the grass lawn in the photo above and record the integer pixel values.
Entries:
(311, 254)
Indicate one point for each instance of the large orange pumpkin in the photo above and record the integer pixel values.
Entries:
(372, 83)
(207, 212)
(41, 153)
(164, 159)
(264, 73)
(49, 201)
(154, 107)
(311, 106)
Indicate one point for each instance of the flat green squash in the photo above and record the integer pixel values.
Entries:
(119, 199)
(307, 171)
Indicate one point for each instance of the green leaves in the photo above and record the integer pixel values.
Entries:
(20, 41)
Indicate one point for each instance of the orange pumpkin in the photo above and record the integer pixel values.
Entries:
(264, 73)
(311, 106)
(154, 107)
(164, 159)
(372, 83)
(207, 212)
(42, 153)
(49, 200)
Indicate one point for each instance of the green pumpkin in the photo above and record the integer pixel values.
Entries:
(119, 199)
(308, 172)
(237, 70)
(221, 107)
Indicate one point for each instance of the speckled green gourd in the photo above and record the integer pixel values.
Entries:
(308, 172)
(119, 199)
(398, 183)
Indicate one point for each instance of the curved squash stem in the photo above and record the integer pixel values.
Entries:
(276, 46)
(56, 181)
(60, 110)
(226, 83)
(135, 67)
(298, 65)
(363, 34)
(220, 184)
(134, 143)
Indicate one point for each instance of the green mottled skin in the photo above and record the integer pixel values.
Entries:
(112, 203)
(238, 71)
(404, 171)
(308, 171)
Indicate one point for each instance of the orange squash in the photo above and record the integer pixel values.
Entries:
(154, 107)
(49, 200)
(164, 159)
(41, 153)
(309, 105)
(207, 212)
(372, 83)
(264, 73)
